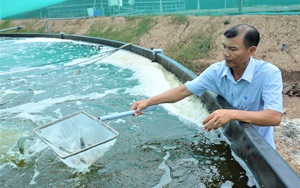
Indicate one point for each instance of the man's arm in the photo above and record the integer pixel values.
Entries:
(260, 118)
(170, 96)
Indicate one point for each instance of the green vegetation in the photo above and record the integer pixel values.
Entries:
(179, 19)
(227, 21)
(190, 49)
(29, 29)
(42, 29)
(134, 29)
(196, 47)
(5, 24)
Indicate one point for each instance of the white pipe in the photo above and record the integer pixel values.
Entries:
(12, 28)
(123, 114)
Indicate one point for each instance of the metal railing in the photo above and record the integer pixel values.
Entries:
(147, 7)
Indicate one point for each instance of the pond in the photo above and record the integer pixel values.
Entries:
(43, 80)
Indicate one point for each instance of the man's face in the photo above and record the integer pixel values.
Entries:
(235, 53)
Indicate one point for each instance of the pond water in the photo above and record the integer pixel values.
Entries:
(43, 80)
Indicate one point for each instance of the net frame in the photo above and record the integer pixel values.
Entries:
(61, 153)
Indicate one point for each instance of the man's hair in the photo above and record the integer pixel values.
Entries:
(250, 34)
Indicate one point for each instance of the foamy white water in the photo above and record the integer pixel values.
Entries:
(153, 80)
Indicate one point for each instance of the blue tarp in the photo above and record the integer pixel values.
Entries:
(13, 7)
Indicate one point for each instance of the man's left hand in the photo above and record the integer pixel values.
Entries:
(216, 119)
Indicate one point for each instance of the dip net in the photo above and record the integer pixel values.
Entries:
(78, 139)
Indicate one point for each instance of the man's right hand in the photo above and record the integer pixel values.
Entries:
(138, 106)
(170, 96)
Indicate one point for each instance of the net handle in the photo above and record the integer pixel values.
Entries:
(123, 114)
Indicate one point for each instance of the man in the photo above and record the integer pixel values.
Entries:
(253, 87)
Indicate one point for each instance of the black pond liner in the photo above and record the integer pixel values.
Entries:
(266, 165)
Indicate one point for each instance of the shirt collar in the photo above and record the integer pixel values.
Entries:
(247, 75)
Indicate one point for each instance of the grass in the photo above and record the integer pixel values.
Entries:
(196, 47)
(28, 28)
(179, 19)
(5, 24)
(189, 49)
(131, 32)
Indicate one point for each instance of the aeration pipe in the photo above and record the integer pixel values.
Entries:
(12, 28)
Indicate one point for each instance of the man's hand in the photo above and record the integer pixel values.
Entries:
(216, 119)
(259, 118)
(170, 96)
(138, 106)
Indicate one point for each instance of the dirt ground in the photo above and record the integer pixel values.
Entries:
(275, 30)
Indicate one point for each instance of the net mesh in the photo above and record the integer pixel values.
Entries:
(15, 9)
(78, 139)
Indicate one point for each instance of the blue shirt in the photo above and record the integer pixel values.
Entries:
(259, 88)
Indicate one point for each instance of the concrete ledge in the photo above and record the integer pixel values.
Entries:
(267, 166)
